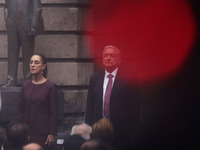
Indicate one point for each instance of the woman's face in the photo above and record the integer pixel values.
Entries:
(36, 65)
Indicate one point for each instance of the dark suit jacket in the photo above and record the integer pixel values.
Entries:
(124, 105)
(28, 11)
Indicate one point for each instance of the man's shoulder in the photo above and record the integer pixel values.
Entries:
(96, 78)
(97, 75)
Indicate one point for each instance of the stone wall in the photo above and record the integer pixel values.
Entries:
(69, 63)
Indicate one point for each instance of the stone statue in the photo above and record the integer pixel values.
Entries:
(23, 22)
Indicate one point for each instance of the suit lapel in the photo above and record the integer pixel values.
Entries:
(101, 81)
(115, 85)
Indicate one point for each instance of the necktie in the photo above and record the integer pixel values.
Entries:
(107, 96)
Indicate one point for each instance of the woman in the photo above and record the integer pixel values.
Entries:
(38, 104)
(102, 130)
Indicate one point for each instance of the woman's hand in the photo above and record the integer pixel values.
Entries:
(50, 140)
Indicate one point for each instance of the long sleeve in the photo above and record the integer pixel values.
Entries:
(89, 105)
(135, 99)
(53, 109)
(21, 109)
(95, 99)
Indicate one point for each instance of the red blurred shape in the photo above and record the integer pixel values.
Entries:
(155, 36)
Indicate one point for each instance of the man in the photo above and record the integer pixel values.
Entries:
(120, 105)
(82, 129)
(23, 21)
(32, 146)
(17, 136)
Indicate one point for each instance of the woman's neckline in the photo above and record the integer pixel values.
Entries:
(38, 83)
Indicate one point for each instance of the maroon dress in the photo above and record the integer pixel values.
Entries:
(38, 109)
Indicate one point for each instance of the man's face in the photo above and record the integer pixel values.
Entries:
(111, 59)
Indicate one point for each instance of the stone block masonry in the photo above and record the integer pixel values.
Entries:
(69, 63)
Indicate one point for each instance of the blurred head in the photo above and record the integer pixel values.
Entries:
(102, 129)
(38, 65)
(32, 146)
(83, 129)
(94, 144)
(73, 142)
(111, 58)
(17, 134)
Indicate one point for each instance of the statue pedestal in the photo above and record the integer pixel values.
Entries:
(9, 102)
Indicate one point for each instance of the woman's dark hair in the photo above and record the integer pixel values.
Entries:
(44, 61)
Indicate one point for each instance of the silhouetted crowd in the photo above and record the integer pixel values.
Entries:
(82, 137)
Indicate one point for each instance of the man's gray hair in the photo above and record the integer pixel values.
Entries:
(111, 46)
(82, 129)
